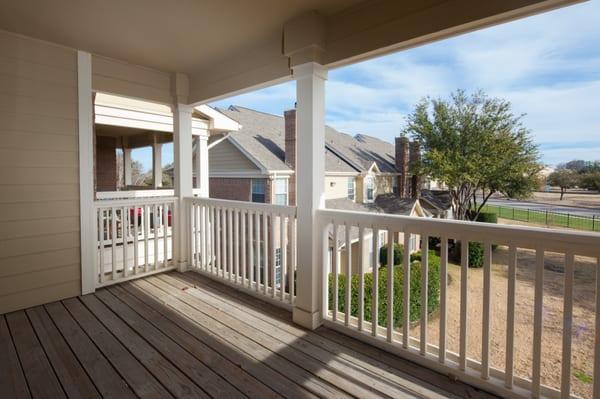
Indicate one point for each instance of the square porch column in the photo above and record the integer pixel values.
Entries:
(182, 145)
(157, 164)
(310, 196)
(201, 163)
(127, 166)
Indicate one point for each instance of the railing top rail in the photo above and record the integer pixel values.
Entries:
(580, 243)
(243, 205)
(98, 204)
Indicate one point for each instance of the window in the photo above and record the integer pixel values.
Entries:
(395, 184)
(278, 267)
(351, 184)
(281, 191)
(258, 190)
(369, 188)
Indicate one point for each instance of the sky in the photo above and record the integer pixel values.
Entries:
(547, 66)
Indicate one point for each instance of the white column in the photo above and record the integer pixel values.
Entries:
(201, 163)
(127, 166)
(157, 164)
(87, 215)
(182, 145)
(310, 178)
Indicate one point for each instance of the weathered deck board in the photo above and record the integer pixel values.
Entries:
(12, 380)
(73, 378)
(184, 335)
(34, 362)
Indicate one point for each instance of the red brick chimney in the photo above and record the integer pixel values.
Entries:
(290, 151)
(402, 166)
(415, 159)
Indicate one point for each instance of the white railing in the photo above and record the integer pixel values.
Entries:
(409, 336)
(247, 245)
(134, 238)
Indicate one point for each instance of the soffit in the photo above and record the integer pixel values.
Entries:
(181, 36)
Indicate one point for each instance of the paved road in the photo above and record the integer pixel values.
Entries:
(543, 207)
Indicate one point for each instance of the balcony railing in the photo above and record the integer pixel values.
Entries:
(414, 343)
(247, 245)
(134, 238)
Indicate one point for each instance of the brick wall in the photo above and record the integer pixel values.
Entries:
(106, 163)
(231, 189)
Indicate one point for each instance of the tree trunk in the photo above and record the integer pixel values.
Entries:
(562, 193)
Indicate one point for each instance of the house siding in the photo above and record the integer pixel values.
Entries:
(39, 173)
(336, 187)
(225, 157)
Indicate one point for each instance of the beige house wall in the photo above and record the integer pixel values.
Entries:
(39, 182)
(336, 187)
(224, 156)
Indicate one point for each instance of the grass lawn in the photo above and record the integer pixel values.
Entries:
(545, 218)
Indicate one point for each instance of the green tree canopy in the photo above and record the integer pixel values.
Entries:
(475, 145)
(563, 178)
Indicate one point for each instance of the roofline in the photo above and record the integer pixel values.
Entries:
(252, 158)
(342, 157)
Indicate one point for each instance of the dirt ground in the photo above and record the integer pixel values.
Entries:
(583, 317)
(574, 198)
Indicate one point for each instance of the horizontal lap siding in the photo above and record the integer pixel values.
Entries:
(39, 173)
(120, 78)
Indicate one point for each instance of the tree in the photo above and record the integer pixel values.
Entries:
(475, 145)
(563, 178)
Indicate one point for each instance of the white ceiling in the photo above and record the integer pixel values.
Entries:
(171, 35)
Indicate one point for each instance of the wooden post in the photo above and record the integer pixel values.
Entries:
(127, 178)
(201, 164)
(157, 164)
(182, 145)
(310, 175)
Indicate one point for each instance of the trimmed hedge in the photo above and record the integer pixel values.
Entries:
(398, 254)
(433, 291)
(487, 217)
(475, 253)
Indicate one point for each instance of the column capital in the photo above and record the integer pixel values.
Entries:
(202, 134)
(309, 69)
(182, 108)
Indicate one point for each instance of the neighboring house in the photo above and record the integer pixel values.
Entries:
(385, 203)
(257, 162)
(362, 173)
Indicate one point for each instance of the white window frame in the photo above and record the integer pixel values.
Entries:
(351, 188)
(369, 180)
(284, 193)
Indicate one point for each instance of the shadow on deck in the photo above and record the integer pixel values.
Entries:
(183, 335)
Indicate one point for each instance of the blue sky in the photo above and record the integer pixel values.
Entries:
(548, 66)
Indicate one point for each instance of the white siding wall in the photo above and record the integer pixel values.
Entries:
(39, 200)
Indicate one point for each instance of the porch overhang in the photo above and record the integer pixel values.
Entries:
(198, 42)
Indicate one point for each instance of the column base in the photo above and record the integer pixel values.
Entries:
(310, 320)
(182, 267)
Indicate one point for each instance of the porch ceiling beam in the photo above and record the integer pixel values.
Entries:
(369, 29)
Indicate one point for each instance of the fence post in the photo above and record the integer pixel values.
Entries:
(546, 217)
(513, 217)
(528, 215)
(593, 222)
(568, 220)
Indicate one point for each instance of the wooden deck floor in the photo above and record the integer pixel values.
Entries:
(182, 335)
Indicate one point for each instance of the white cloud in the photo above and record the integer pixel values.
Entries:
(548, 66)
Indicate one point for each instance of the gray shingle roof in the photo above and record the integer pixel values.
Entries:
(385, 203)
(263, 136)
